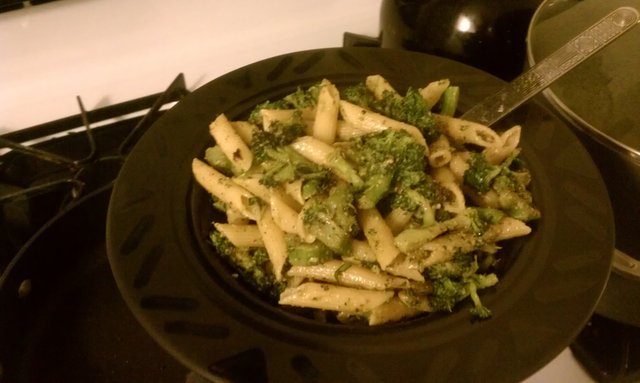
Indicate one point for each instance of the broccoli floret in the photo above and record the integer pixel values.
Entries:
(299, 99)
(411, 109)
(251, 264)
(280, 134)
(480, 173)
(384, 159)
(358, 94)
(331, 218)
(285, 165)
(282, 163)
(455, 280)
(482, 218)
(509, 184)
(514, 198)
(476, 282)
(256, 118)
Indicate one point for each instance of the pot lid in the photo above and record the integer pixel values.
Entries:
(603, 93)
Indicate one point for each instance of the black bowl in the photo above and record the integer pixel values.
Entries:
(188, 300)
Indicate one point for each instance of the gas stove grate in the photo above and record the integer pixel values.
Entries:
(47, 167)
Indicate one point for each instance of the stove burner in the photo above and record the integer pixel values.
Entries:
(63, 318)
(38, 181)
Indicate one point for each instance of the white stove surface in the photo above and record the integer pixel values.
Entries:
(110, 51)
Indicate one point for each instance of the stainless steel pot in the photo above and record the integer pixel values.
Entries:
(600, 100)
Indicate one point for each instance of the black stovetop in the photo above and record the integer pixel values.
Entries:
(76, 327)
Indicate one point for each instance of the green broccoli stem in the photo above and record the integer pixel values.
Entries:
(376, 187)
(217, 159)
(449, 101)
(307, 254)
(321, 225)
(343, 169)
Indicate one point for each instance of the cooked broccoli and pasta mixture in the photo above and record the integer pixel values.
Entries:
(364, 205)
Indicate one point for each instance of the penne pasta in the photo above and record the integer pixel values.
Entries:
(331, 297)
(241, 235)
(361, 252)
(348, 274)
(507, 228)
(509, 141)
(379, 85)
(245, 130)
(371, 122)
(392, 311)
(224, 189)
(325, 155)
(304, 207)
(458, 203)
(379, 236)
(285, 215)
(231, 143)
(235, 217)
(325, 124)
(433, 91)
(251, 182)
(274, 241)
(347, 131)
(439, 152)
(397, 220)
(468, 132)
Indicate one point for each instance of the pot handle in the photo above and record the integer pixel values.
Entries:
(626, 265)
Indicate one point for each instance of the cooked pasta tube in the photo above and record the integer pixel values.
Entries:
(392, 311)
(361, 252)
(443, 174)
(271, 116)
(439, 152)
(326, 155)
(245, 130)
(241, 235)
(468, 132)
(413, 238)
(379, 236)
(224, 189)
(251, 182)
(404, 266)
(347, 131)
(444, 247)
(334, 298)
(509, 142)
(459, 164)
(507, 228)
(274, 241)
(231, 143)
(397, 220)
(235, 217)
(458, 203)
(433, 91)
(349, 274)
(325, 124)
(371, 122)
(294, 190)
(286, 216)
(379, 85)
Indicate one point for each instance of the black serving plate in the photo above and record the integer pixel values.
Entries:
(187, 299)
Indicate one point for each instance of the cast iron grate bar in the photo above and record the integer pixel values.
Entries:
(175, 91)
